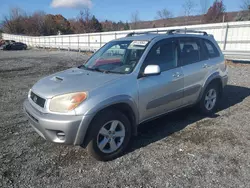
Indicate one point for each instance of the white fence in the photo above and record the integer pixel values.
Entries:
(232, 36)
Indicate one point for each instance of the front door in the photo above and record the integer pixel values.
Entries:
(161, 93)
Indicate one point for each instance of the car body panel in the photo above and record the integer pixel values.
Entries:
(159, 93)
(47, 125)
(72, 80)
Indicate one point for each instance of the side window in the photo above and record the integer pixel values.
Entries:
(211, 49)
(191, 51)
(164, 54)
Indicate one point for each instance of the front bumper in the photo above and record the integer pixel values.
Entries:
(66, 129)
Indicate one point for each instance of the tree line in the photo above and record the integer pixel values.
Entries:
(40, 23)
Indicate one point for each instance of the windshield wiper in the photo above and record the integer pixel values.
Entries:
(92, 69)
(82, 66)
(99, 70)
(87, 68)
(107, 71)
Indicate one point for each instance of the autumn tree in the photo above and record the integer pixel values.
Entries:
(40, 23)
(49, 25)
(62, 24)
(120, 26)
(53, 24)
(107, 25)
(216, 13)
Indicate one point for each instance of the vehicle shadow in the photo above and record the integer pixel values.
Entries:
(163, 127)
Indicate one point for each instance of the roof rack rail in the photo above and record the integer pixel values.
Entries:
(136, 33)
(185, 31)
(169, 32)
(146, 32)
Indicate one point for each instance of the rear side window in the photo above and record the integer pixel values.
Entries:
(191, 51)
(211, 49)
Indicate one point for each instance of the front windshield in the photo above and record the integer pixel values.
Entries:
(117, 57)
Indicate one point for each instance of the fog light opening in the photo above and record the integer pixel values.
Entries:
(60, 135)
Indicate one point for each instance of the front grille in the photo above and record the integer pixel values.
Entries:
(38, 100)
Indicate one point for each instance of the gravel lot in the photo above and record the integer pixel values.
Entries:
(181, 149)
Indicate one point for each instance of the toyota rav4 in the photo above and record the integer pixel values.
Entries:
(128, 81)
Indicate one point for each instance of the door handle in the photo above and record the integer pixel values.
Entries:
(177, 75)
(205, 66)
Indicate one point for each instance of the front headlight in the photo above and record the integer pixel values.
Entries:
(67, 102)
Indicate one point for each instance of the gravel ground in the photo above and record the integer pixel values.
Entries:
(181, 149)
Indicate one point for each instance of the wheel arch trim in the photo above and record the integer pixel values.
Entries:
(108, 103)
(211, 78)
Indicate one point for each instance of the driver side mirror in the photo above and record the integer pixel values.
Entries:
(152, 70)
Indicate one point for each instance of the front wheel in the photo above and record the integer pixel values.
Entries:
(209, 100)
(110, 135)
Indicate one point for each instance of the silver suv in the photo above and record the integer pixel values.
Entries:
(128, 81)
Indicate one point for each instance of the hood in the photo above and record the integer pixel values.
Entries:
(72, 80)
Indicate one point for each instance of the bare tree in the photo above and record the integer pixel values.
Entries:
(245, 5)
(7, 25)
(135, 19)
(14, 22)
(39, 23)
(16, 13)
(164, 14)
(85, 15)
(204, 6)
(245, 14)
(189, 7)
(82, 23)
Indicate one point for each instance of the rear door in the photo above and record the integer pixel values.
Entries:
(194, 62)
(161, 93)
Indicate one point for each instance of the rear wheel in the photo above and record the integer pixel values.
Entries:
(209, 100)
(109, 136)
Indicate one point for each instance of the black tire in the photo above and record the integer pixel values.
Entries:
(99, 121)
(202, 104)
